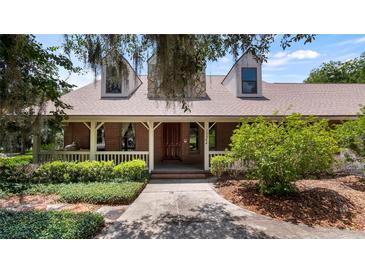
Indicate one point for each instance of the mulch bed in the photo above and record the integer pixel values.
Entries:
(40, 202)
(338, 202)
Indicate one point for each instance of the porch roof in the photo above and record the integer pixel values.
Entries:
(325, 100)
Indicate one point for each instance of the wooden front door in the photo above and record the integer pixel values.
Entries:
(171, 141)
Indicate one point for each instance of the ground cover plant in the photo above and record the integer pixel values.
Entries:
(49, 225)
(94, 193)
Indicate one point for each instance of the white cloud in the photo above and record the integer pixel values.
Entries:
(352, 41)
(303, 54)
(282, 58)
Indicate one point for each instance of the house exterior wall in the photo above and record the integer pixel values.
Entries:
(158, 144)
(141, 137)
(187, 156)
(112, 133)
(77, 132)
(224, 132)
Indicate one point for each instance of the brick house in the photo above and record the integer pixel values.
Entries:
(128, 120)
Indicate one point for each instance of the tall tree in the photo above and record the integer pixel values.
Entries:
(29, 78)
(350, 71)
(181, 58)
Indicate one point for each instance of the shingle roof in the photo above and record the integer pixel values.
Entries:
(283, 98)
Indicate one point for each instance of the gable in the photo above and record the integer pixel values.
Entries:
(234, 78)
(126, 83)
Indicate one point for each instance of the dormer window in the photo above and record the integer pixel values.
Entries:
(118, 83)
(249, 80)
(113, 81)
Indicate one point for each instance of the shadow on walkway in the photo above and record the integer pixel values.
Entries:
(209, 221)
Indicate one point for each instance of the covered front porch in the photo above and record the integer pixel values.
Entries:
(164, 144)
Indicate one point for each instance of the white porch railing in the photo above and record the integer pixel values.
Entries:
(215, 153)
(80, 156)
(122, 156)
(70, 156)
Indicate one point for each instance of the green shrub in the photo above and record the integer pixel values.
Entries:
(15, 170)
(101, 193)
(351, 134)
(283, 189)
(282, 152)
(49, 225)
(131, 171)
(74, 172)
(220, 165)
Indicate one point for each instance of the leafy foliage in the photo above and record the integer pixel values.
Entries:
(49, 225)
(351, 71)
(131, 171)
(280, 152)
(181, 58)
(16, 169)
(74, 172)
(351, 134)
(28, 80)
(220, 165)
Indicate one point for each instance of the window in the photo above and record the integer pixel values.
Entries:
(194, 137)
(128, 137)
(212, 137)
(113, 81)
(249, 80)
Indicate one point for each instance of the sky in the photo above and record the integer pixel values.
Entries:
(290, 66)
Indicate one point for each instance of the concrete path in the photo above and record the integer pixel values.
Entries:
(185, 209)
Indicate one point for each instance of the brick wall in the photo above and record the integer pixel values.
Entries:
(78, 133)
(158, 143)
(224, 132)
(112, 133)
(141, 137)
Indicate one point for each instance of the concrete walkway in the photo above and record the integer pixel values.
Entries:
(185, 209)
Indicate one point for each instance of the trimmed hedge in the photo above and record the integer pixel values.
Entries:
(74, 172)
(131, 171)
(18, 172)
(49, 225)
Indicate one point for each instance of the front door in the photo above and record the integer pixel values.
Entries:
(171, 141)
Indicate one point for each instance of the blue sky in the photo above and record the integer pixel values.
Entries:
(292, 65)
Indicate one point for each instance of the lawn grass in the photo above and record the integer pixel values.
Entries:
(49, 225)
(93, 193)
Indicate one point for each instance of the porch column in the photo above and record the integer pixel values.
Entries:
(36, 147)
(93, 140)
(206, 146)
(151, 144)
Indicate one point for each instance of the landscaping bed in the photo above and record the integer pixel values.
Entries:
(36, 224)
(337, 202)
